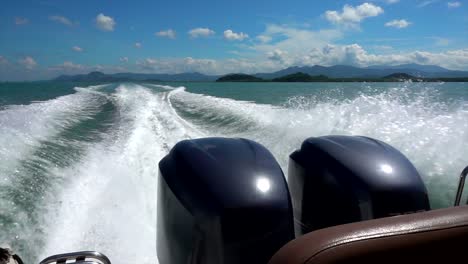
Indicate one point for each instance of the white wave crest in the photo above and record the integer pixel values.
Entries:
(432, 135)
(110, 203)
(23, 127)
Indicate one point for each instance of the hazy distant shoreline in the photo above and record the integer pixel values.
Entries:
(316, 73)
(303, 77)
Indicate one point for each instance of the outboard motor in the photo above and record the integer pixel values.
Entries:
(336, 180)
(221, 201)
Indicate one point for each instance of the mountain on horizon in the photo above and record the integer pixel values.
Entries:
(346, 71)
(337, 71)
(411, 66)
(128, 76)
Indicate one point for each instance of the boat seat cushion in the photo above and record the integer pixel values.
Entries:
(438, 236)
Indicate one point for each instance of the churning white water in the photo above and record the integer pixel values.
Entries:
(104, 198)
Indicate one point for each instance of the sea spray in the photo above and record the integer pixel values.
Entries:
(433, 134)
(116, 182)
(92, 157)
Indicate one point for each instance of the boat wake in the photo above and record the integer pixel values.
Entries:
(433, 135)
(79, 172)
(110, 203)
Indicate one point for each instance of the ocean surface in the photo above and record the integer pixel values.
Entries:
(79, 163)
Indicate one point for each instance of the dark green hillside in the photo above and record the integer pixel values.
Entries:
(239, 77)
(301, 77)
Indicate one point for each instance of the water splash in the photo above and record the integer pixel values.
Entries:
(432, 134)
(104, 197)
(110, 205)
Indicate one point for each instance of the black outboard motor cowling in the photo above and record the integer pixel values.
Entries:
(336, 180)
(221, 201)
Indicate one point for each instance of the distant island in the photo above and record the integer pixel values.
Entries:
(136, 77)
(316, 73)
(303, 77)
(239, 77)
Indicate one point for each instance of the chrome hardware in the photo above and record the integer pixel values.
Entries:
(82, 257)
(461, 184)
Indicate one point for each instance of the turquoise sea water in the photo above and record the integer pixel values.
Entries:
(78, 163)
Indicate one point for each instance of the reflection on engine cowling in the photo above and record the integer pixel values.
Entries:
(221, 201)
(336, 180)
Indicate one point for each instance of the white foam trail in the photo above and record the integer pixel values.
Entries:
(27, 132)
(174, 112)
(110, 204)
(23, 127)
(432, 136)
(235, 115)
(166, 87)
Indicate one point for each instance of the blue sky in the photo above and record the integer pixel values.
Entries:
(44, 38)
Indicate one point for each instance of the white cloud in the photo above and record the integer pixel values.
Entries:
(327, 55)
(351, 16)
(355, 55)
(197, 65)
(206, 66)
(77, 49)
(138, 45)
(284, 46)
(69, 66)
(230, 35)
(28, 62)
(263, 38)
(388, 2)
(334, 54)
(148, 64)
(178, 65)
(278, 55)
(200, 32)
(62, 20)
(348, 55)
(426, 3)
(288, 46)
(398, 23)
(294, 40)
(105, 23)
(21, 21)
(166, 33)
(454, 4)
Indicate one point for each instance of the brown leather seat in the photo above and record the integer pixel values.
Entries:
(438, 236)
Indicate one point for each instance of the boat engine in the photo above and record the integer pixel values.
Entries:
(221, 201)
(336, 180)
